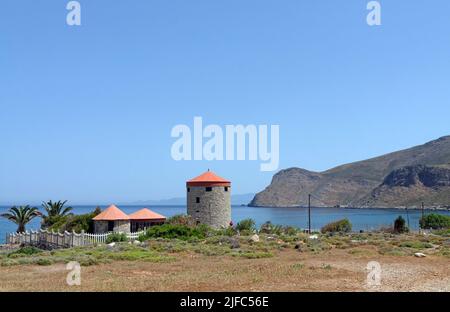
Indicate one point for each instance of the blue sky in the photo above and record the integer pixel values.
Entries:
(86, 112)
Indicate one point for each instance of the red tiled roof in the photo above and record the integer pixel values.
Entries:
(111, 213)
(146, 214)
(208, 178)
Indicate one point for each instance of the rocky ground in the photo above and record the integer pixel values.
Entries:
(328, 263)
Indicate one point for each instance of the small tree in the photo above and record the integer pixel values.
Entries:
(116, 237)
(400, 225)
(246, 225)
(435, 221)
(56, 211)
(342, 226)
(21, 216)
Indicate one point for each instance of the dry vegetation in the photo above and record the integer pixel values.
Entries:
(235, 263)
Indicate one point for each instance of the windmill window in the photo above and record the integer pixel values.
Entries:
(197, 200)
(209, 189)
(226, 188)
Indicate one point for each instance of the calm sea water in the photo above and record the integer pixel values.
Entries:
(362, 219)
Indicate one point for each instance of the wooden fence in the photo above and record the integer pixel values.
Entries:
(51, 240)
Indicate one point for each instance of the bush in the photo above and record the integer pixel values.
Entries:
(246, 225)
(171, 231)
(25, 251)
(343, 225)
(400, 225)
(269, 228)
(229, 231)
(181, 220)
(75, 223)
(116, 237)
(435, 221)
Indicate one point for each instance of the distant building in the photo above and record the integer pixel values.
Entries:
(209, 200)
(112, 219)
(145, 218)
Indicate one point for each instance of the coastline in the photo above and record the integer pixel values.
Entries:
(358, 208)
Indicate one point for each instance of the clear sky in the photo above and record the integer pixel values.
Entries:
(86, 112)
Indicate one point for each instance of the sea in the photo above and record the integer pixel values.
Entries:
(362, 219)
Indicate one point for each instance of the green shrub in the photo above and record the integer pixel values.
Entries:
(246, 225)
(269, 228)
(435, 221)
(44, 261)
(442, 232)
(171, 231)
(229, 231)
(25, 251)
(75, 223)
(416, 244)
(290, 230)
(400, 225)
(252, 254)
(116, 237)
(343, 225)
(181, 220)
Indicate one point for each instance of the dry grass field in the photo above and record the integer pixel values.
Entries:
(330, 263)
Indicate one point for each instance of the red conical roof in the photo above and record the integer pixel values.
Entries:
(111, 213)
(208, 178)
(146, 214)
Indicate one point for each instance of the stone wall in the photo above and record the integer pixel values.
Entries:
(100, 227)
(214, 208)
(122, 226)
(119, 226)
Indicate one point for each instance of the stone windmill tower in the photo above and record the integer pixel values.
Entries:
(209, 200)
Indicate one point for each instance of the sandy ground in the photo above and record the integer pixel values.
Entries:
(289, 270)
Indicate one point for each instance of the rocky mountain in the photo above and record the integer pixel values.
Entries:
(403, 178)
(411, 185)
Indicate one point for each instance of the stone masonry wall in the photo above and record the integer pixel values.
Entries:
(119, 226)
(100, 227)
(214, 208)
(122, 226)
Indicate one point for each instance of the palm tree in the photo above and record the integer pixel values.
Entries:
(55, 211)
(21, 216)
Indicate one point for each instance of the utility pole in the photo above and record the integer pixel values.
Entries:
(407, 216)
(423, 214)
(309, 213)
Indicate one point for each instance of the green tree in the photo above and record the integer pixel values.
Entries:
(56, 211)
(21, 216)
(342, 226)
(400, 225)
(435, 221)
(246, 225)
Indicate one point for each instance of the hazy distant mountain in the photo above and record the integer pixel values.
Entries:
(424, 170)
(238, 199)
(242, 199)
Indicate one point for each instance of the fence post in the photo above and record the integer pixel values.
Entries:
(82, 237)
